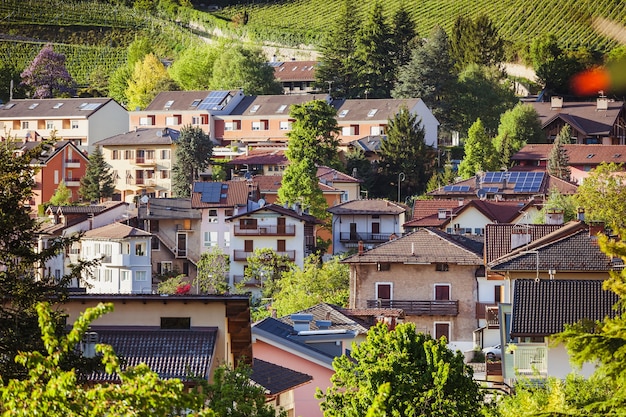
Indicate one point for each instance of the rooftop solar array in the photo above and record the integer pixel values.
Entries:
(211, 192)
(456, 188)
(524, 181)
(214, 101)
(491, 189)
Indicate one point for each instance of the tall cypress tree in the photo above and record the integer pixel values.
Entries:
(98, 182)
(558, 161)
(194, 150)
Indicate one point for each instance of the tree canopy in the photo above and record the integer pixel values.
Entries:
(476, 42)
(426, 378)
(602, 195)
(518, 126)
(149, 77)
(193, 69)
(193, 153)
(479, 152)
(558, 161)
(62, 196)
(212, 276)
(47, 77)
(98, 182)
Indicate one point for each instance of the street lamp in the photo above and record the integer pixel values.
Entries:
(401, 177)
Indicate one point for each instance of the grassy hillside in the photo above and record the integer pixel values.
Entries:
(520, 21)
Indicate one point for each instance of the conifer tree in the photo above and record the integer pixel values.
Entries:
(403, 36)
(98, 182)
(47, 77)
(193, 153)
(558, 161)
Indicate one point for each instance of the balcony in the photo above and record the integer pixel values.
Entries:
(241, 255)
(489, 312)
(287, 230)
(531, 359)
(246, 282)
(419, 307)
(347, 237)
(72, 163)
(145, 182)
(72, 182)
(145, 161)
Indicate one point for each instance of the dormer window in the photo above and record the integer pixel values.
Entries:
(196, 102)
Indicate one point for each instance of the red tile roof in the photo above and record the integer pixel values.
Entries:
(576, 154)
(295, 70)
(584, 116)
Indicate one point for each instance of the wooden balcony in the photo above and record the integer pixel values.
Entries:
(419, 307)
(489, 312)
(287, 230)
(347, 237)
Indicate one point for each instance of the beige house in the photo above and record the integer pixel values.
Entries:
(83, 121)
(430, 275)
(141, 161)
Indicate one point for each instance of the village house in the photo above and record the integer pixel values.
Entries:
(296, 77)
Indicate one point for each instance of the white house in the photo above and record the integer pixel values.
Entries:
(369, 221)
(124, 254)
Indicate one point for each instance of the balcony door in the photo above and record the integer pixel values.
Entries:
(280, 225)
(181, 239)
(353, 235)
(384, 293)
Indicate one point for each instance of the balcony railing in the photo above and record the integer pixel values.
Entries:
(145, 182)
(287, 230)
(530, 359)
(419, 307)
(489, 312)
(140, 160)
(72, 163)
(242, 255)
(365, 237)
(72, 182)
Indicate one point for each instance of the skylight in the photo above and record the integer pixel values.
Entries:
(281, 108)
(196, 102)
(343, 113)
(32, 106)
(372, 113)
(169, 104)
(57, 106)
(255, 108)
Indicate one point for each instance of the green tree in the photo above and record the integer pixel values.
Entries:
(317, 282)
(602, 195)
(47, 77)
(149, 78)
(177, 284)
(245, 68)
(118, 82)
(267, 267)
(300, 185)
(193, 69)
(374, 56)
(405, 151)
(9, 73)
(314, 134)
(23, 277)
(98, 182)
(337, 70)
(360, 167)
(479, 152)
(558, 161)
(62, 196)
(482, 93)
(476, 42)
(518, 126)
(192, 156)
(426, 378)
(403, 36)
(213, 267)
(430, 75)
(558, 201)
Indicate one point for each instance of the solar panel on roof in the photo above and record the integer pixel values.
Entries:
(528, 182)
(491, 189)
(491, 177)
(456, 188)
(211, 192)
(213, 101)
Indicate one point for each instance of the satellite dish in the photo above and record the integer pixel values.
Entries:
(481, 193)
(145, 199)
(247, 175)
(261, 202)
(159, 133)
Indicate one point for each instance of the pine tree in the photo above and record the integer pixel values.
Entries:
(98, 182)
(337, 70)
(558, 161)
(403, 36)
(374, 56)
(192, 156)
(476, 42)
(47, 77)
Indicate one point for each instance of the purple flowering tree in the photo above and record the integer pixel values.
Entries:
(47, 76)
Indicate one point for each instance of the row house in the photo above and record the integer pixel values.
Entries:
(61, 162)
(124, 253)
(287, 231)
(602, 122)
(296, 77)
(581, 159)
(176, 109)
(175, 229)
(83, 121)
(141, 161)
(367, 222)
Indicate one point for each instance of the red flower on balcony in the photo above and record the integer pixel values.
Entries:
(183, 289)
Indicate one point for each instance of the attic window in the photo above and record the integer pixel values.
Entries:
(294, 68)
(591, 155)
(343, 113)
(9, 106)
(255, 108)
(384, 266)
(196, 102)
(32, 106)
(372, 113)
(442, 267)
(168, 104)
(169, 323)
(58, 105)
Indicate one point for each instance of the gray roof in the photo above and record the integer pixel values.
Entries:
(582, 116)
(115, 231)
(336, 315)
(168, 208)
(421, 246)
(142, 136)
(182, 354)
(275, 378)
(280, 210)
(543, 307)
(375, 206)
(272, 105)
(78, 108)
(381, 109)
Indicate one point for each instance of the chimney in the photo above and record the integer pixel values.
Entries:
(581, 214)
(556, 103)
(554, 216)
(441, 214)
(595, 229)
(323, 324)
(301, 322)
(520, 237)
(360, 247)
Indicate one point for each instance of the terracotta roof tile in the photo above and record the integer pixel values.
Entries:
(543, 308)
(168, 208)
(261, 157)
(331, 175)
(295, 70)
(115, 231)
(236, 192)
(498, 236)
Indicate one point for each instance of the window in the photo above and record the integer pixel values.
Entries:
(56, 176)
(141, 276)
(49, 125)
(156, 243)
(281, 245)
(24, 125)
(247, 224)
(165, 154)
(129, 154)
(234, 125)
(124, 275)
(384, 290)
(256, 125)
(125, 248)
(228, 212)
(285, 125)
(74, 124)
(146, 121)
(384, 266)
(169, 323)
(165, 267)
(442, 330)
(165, 174)
(213, 216)
(442, 292)
(498, 290)
(195, 120)
(210, 239)
(227, 239)
(248, 245)
(108, 275)
(140, 249)
(173, 120)
(377, 130)
(115, 154)
(442, 267)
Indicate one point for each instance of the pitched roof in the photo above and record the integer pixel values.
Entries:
(188, 100)
(231, 193)
(79, 108)
(280, 210)
(368, 143)
(378, 110)
(294, 70)
(272, 105)
(421, 246)
(115, 231)
(277, 379)
(426, 212)
(168, 208)
(182, 354)
(374, 206)
(338, 317)
(543, 307)
(498, 236)
(569, 248)
(329, 176)
(142, 136)
(584, 116)
(576, 154)
(261, 157)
